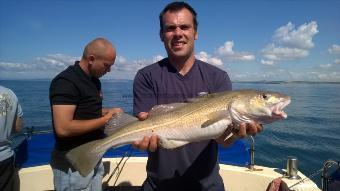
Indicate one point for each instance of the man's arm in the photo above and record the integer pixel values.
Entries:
(66, 126)
(18, 124)
(63, 97)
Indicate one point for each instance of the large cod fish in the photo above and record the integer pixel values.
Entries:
(177, 124)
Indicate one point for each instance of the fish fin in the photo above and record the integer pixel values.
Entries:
(118, 120)
(171, 144)
(85, 157)
(215, 117)
(164, 108)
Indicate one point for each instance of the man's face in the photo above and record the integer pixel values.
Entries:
(178, 33)
(101, 65)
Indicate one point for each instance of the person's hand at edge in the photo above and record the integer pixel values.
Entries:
(147, 143)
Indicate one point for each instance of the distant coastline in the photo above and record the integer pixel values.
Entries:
(285, 82)
(246, 82)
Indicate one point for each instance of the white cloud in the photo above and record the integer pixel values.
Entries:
(290, 43)
(54, 62)
(227, 49)
(42, 67)
(205, 57)
(329, 67)
(157, 58)
(337, 61)
(130, 66)
(335, 49)
(13, 67)
(328, 76)
(316, 75)
(227, 52)
(50, 65)
(267, 62)
(120, 59)
(302, 37)
(269, 75)
(325, 72)
(127, 69)
(326, 65)
(271, 52)
(49, 62)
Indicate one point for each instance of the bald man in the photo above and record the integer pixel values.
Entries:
(77, 113)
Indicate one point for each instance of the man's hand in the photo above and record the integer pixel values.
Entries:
(150, 143)
(111, 110)
(109, 113)
(243, 130)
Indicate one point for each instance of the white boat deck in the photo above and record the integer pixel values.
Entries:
(133, 174)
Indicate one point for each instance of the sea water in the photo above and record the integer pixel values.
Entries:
(311, 132)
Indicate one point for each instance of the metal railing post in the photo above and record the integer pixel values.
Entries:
(252, 154)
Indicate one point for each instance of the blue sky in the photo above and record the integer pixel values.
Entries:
(252, 40)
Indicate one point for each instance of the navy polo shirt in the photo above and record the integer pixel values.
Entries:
(195, 165)
(74, 87)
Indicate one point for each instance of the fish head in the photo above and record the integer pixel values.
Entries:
(258, 106)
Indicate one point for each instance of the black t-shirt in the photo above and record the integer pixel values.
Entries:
(195, 165)
(74, 87)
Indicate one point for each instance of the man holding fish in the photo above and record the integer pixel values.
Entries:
(178, 78)
(185, 108)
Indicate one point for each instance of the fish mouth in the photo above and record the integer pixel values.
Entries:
(277, 110)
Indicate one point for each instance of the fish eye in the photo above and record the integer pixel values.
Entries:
(264, 96)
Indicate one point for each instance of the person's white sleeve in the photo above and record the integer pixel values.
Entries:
(19, 111)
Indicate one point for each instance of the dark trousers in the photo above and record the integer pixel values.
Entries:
(7, 171)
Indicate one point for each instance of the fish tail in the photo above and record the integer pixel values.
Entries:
(85, 157)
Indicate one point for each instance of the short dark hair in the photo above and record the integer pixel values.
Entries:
(177, 6)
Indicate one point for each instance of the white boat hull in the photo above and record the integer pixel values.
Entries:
(133, 174)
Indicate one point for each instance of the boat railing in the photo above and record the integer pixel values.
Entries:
(251, 166)
(32, 130)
